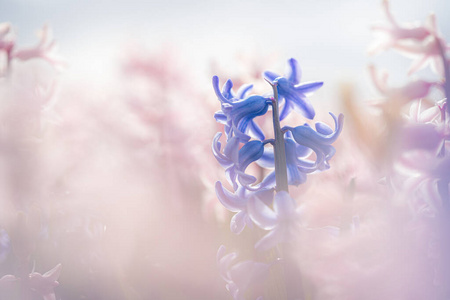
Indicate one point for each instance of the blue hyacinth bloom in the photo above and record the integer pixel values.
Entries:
(238, 111)
(235, 161)
(292, 92)
(297, 164)
(318, 140)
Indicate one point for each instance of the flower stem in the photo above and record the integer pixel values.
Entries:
(279, 148)
(277, 290)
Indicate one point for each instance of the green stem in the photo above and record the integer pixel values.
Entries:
(279, 148)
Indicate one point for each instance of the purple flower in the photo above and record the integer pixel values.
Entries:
(237, 202)
(282, 220)
(297, 164)
(45, 284)
(319, 141)
(395, 32)
(235, 160)
(415, 89)
(45, 49)
(293, 93)
(237, 112)
(242, 275)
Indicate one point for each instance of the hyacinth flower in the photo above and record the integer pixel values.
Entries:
(419, 175)
(297, 163)
(242, 275)
(236, 160)
(45, 49)
(394, 32)
(424, 131)
(423, 43)
(319, 141)
(42, 284)
(281, 221)
(293, 93)
(413, 90)
(6, 44)
(227, 92)
(429, 52)
(237, 202)
(239, 113)
(291, 148)
(417, 115)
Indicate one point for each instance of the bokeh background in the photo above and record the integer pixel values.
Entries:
(329, 38)
(116, 180)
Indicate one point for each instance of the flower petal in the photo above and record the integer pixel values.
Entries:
(243, 90)
(229, 200)
(247, 273)
(294, 72)
(215, 82)
(245, 179)
(308, 87)
(227, 89)
(287, 108)
(284, 206)
(54, 273)
(323, 128)
(250, 152)
(302, 105)
(220, 117)
(256, 130)
(295, 177)
(270, 240)
(262, 215)
(224, 161)
(271, 76)
(238, 222)
(231, 149)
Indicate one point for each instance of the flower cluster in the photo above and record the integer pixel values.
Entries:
(296, 152)
(45, 49)
(416, 162)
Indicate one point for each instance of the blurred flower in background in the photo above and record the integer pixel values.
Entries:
(107, 186)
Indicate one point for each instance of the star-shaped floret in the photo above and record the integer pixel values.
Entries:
(292, 92)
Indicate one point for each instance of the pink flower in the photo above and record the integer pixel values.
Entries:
(394, 32)
(242, 275)
(6, 41)
(44, 284)
(415, 89)
(424, 53)
(45, 49)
